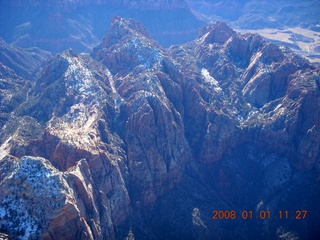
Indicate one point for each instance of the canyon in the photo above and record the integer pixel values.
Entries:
(55, 26)
(137, 141)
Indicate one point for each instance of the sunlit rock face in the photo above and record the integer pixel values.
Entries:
(34, 182)
(135, 139)
(62, 120)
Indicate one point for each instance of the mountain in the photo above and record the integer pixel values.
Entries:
(138, 141)
(252, 14)
(56, 26)
(291, 23)
(26, 62)
(15, 84)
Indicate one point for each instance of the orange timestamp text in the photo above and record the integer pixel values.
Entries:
(262, 214)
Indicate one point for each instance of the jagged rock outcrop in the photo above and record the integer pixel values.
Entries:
(255, 116)
(64, 111)
(262, 74)
(120, 124)
(135, 139)
(153, 130)
(33, 182)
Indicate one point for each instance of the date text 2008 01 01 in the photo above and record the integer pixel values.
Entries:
(262, 214)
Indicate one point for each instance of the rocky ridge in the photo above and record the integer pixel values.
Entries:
(26, 62)
(107, 145)
(294, 24)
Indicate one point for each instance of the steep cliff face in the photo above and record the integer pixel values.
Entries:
(263, 77)
(118, 131)
(135, 139)
(35, 182)
(63, 121)
(153, 127)
(257, 123)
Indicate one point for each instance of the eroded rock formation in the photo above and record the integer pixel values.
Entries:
(136, 138)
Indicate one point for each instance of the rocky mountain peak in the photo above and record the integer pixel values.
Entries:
(127, 46)
(121, 28)
(218, 32)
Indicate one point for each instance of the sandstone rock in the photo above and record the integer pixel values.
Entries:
(35, 195)
(103, 144)
(216, 33)
(127, 47)
(154, 134)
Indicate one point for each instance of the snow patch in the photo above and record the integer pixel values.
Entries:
(34, 190)
(211, 80)
(117, 99)
(4, 148)
(73, 127)
(79, 79)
